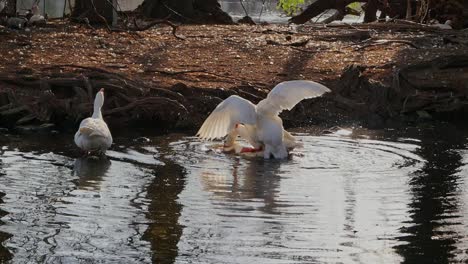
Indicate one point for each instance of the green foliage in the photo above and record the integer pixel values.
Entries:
(356, 6)
(290, 7)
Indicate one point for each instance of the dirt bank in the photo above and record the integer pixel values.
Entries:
(380, 74)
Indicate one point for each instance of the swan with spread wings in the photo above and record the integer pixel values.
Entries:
(260, 124)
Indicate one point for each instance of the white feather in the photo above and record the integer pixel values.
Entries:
(226, 115)
(287, 94)
(94, 127)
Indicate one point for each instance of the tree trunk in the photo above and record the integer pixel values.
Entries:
(313, 10)
(465, 14)
(10, 8)
(162, 9)
(320, 6)
(96, 11)
(409, 12)
(370, 11)
(396, 8)
(188, 11)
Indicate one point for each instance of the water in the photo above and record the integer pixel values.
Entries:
(260, 11)
(362, 197)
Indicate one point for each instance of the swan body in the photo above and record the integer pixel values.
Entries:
(93, 134)
(260, 124)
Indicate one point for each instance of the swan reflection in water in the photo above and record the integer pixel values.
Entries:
(248, 179)
(90, 171)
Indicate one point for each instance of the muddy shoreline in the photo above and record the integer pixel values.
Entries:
(381, 76)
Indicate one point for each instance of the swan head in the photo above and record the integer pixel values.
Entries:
(231, 138)
(230, 141)
(99, 100)
(248, 132)
(98, 103)
(242, 130)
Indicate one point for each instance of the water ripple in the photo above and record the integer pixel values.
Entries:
(347, 197)
(336, 198)
(64, 210)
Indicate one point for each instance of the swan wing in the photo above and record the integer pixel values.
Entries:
(287, 94)
(226, 115)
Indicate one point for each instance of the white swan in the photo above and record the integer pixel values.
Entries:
(93, 134)
(260, 124)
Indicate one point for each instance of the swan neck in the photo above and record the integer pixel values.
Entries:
(266, 108)
(97, 113)
(98, 102)
(231, 138)
(248, 133)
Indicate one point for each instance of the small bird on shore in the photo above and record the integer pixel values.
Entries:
(446, 26)
(259, 124)
(93, 135)
(36, 18)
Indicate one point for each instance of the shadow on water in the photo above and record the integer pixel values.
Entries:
(435, 213)
(164, 210)
(5, 254)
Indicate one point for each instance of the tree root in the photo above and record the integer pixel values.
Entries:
(388, 41)
(64, 100)
(157, 22)
(149, 103)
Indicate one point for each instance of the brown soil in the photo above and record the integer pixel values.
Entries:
(49, 75)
